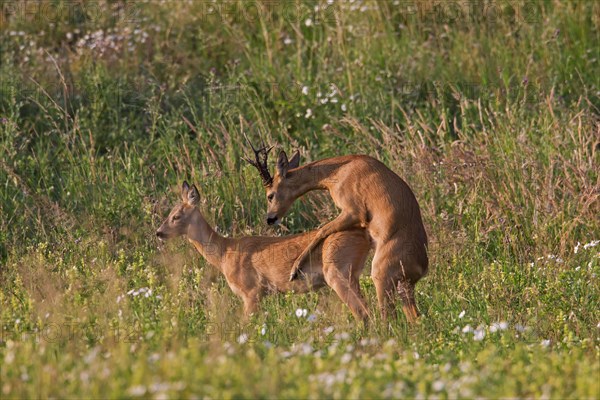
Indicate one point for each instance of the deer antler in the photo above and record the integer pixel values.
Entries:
(260, 162)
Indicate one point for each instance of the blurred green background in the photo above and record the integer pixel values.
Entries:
(488, 109)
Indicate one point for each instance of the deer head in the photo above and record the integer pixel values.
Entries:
(180, 217)
(279, 201)
(280, 197)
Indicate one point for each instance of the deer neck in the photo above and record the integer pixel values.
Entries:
(314, 176)
(209, 243)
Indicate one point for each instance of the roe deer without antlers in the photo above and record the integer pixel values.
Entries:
(370, 196)
(255, 266)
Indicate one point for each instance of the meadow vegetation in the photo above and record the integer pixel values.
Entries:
(488, 109)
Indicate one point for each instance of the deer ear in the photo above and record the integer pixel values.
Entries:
(185, 188)
(282, 164)
(193, 196)
(295, 160)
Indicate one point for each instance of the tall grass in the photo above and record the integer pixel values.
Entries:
(488, 109)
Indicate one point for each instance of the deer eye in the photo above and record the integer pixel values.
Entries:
(270, 197)
(176, 217)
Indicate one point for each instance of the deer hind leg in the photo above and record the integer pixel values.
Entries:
(413, 266)
(342, 222)
(406, 290)
(384, 281)
(388, 288)
(386, 293)
(347, 292)
(395, 272)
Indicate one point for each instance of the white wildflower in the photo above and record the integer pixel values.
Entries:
(344, 107)
(137, 391)
(576, 249)
(545, 343)
(555, 257)
(346, 358)
(305, 90)
(308, 114)
(159, 387)
(467, 329)
(438, 386)
(498, 326)
(479, 334)
(308, 22)
(301, 312)
(462, 314)
(91, 356)
(243, 338)
(333, 91)
(329, 330)
(593, 243)
(304, 349)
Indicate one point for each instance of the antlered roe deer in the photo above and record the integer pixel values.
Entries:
(370, 196)
(255, 266)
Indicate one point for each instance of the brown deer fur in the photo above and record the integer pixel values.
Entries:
(255, 266)
(370, 196)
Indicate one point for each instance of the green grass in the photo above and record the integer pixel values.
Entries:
(488, 109)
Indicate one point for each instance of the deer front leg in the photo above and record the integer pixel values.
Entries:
(343, 222)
